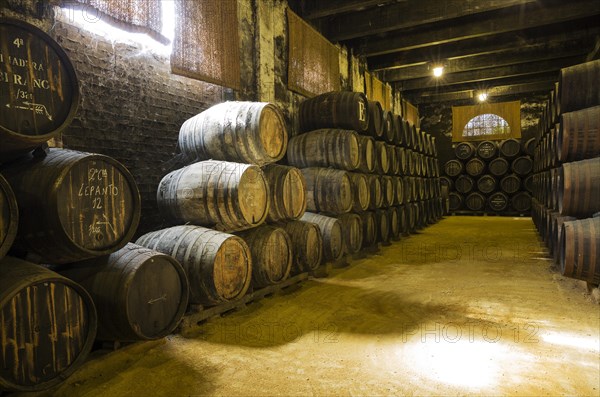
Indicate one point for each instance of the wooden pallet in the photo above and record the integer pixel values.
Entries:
(198, 313)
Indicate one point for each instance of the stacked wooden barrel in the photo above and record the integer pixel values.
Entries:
(492, 176)
(566, 179)
(359, 159)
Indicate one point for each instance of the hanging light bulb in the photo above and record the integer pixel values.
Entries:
(438, 71)
(482, 96)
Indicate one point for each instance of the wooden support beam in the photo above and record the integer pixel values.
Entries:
(533, 15)
(314, 9)
(513, 56)
(555, 33)
(495, 73)
(408, 14)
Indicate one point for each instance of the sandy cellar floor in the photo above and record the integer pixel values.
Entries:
(467, 306)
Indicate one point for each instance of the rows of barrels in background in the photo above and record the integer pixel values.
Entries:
(566, 180)
(491, 176)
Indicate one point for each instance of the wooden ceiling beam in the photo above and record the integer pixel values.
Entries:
(313, 9)
(534, 15)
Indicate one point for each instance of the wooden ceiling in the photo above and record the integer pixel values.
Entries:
(506, 47)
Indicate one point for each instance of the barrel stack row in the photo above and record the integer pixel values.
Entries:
(566, 182)
(369, 173)
(493, 176)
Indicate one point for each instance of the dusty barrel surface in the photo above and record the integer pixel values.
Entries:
(389, 195)
(9, 217)
(368, 154)
(498, 166)
(226, 195)
(487, 150)
(521, 202)
(475, 201)
(455, 201)
(464, 150)
(331, 230)
(579, 87)
(580, 249)
(510, 148)
(375, 127)
(383, 226)
(486, 184)
(41, 92)
(394, 223)
(369, 230)
(53, 326)
(325, 148)
(475, 167)
(578, 136)
(464, 184)
(73, 205)
(336, 109)
(453, 168)
(382, 164)
(579, 188)
(328, 190)
(498, 201)
(352, 232)
(287, 192)
(139, 294)
(556, 234)
(510, 184)
(375, 192)
(245, 132)
(361, 197)
(272, 256)
(218, 265)
(307, 245)
(522, 165)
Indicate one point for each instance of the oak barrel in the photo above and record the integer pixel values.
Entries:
(244, 132)
(352, 232)
(328, 190)
(529, 146)
(382, 165)
(287, 192)
(579, 188)
(389, 195)
(399, 189)
(510, 148)
(402, 161)
(336, 109)
(510, 184)
(389, 134)
(445, 181)
(475, 167)
(41, 92)
(398, 130)
(394, 167)
(556, 236)
(487, 150)
(361, 197)
(369, 228)
(325, 148)
(9, 217)
(218, 265)
(272, 257)
(475, 201)
(580, 250)
(464, 184)
(394, 223)
(521, 202)
(464, 150)
(382, 225)
(375, 192)
(498, 166)
(307, 245)
(522, 165)
(375, 127)
(73, 205)
(226, 195)
(140, 294)
(388, 124)
(578, 136)
(453, 168)
(331, 230)
(486, 184)
(498, 201)
(48, 326)
(368, 154)
(407, 133)
(579, 87)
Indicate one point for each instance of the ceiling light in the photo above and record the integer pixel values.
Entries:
(482, 96)
(438, 71)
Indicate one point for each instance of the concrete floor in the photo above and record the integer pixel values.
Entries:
(467, 306)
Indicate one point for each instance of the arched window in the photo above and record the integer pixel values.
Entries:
(486, 124)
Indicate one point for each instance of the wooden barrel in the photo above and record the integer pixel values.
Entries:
(475, 201)
(140, 294)
(325, 148)
(407, 133)
(510, 148)
(375, 127)
(445, 181)
(388, 124)
(394, 223)
(556, 236)
(486, 184)
(487, 150)
(382, 165)
(410, 162)
(578, 136)
(361, 197)
(522, 165)
(352, 232)
(9, 217)
(399, 190)
(243, 132)
(331, 230)
(369, 228)
(337, 109)
(498, 201)
(328, 190)
(271, 249)
(389, 134)
(475, 167)
(498, 166)
(394, 168)
(287, 192)
(580, 255)
(218, 265)
(307, 245)
(464, 150)
(368, 154)
(579, 188)
(402, 222)
(453, 168)
(418, 164)
(73, 205)
(48, 326)
(41, 92)
(375, 192)
(383, 226)
(389, 194)
(411, 217)
(529, 146)
(398, 130)
(464, 184)
(416, 139)
(579, 87)
(521, 202)
(510, 184)
(528, 183)
(221, 194)
(434, 151)
(402, 161)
